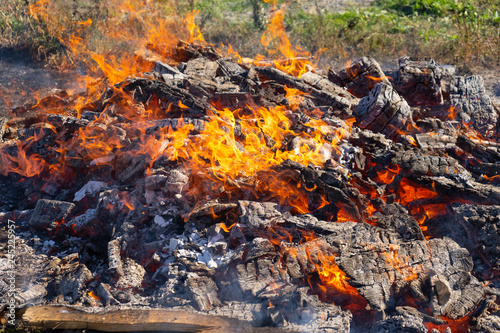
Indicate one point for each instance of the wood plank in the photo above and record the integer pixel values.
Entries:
(131, 320)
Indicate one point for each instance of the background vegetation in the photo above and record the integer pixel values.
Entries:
(450, 31)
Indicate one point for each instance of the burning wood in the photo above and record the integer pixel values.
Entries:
(260, 191)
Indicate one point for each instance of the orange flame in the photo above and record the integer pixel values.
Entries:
(297, 59)
(409, 192)
(22, 164)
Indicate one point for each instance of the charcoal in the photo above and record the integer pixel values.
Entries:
(49, 213)
(81, 224)
(201, 66)
(395, 217)
(483, 151)
(381, 274)
(454, 187)
(487, 169)
(383, 111)
(70, 124)
(133, 275)
(419, 81)
(435, 141)
(258, 214)
(177, 123)
(487, 324)
(472, 104)
(359, 77)
(72, 284)
(187, 51)
(233, 100)
(115, 264)
(254, 313)
(230, 68)
(143, 90)
(136, 167)
(407, 323)
(416, 163)
(340, 100)
(162, 68)
(209, 208)
(480, 222)
(204, 292)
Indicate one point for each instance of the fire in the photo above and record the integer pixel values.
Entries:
(409, 192)
(331, 275)
(297, 60)
(23, 164)
(94, 297)
(400, 263)
(452, 115)
(456, 326)
(387, 176)
(194, 32)
(379, 79)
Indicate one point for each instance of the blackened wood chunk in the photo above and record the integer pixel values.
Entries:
(383, 111)
(252, 312)
(49, 213)
(481, 224)
(400, 323)
(382, 266)
(360, 76)
(395, 217)
(204, 292)
(201, 67)
(340, 100)
(187, 51)
(256, 215)
(115, 263)
(419, 82)
(472, 104)
(72, 284)
(232, 99)
(489, 323)
(416, 163)
(482, 150)
(435, 141)
(145, 90)
(229, 68)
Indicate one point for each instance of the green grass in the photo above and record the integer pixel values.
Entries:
(455, 32)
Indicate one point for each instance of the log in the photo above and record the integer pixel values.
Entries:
(383, 111)
(419, 81)
(472, 104)
(359, 77)
(131, 320)
(339, 99)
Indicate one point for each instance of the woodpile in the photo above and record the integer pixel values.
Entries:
(126, 222)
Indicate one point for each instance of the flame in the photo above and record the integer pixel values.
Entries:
(387, 176)
(23, 164)
(94, 297)
(331, 275)
(400, 263)
(456, 326)
(452, 114)
(379, 79)
(194, 32)
(296, 60)
(409, 192)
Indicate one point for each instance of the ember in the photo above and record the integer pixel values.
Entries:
(190, 178)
